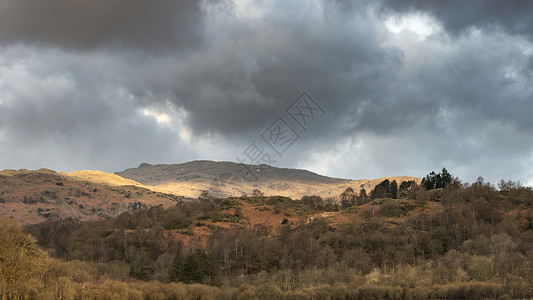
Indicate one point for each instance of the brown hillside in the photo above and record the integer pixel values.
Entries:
(34, 196)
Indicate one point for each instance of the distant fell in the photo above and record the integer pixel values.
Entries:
(34, 196)
(224, 179)
(206, 171)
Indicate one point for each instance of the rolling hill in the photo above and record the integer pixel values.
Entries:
(35, 196)
(224, 179)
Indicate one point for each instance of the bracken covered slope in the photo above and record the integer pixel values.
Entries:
(34, 196)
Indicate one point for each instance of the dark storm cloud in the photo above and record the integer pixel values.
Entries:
(395, 103)
(244, 82)
(456, 104)
(145, 24)
(513, 16)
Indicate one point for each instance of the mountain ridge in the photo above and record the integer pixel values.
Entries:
(222, 170)
(223, 179)
(33, 196)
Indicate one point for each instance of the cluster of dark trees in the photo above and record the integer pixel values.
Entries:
(385, 189)
(390, 189)
(437, 181)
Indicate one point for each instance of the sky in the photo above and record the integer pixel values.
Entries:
(351, 89)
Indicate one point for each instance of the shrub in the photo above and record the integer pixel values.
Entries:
(351, 210)
(380, 201)
(391, 209)
(230, 203)
(21, 262)
(435, 195)
(273, 200)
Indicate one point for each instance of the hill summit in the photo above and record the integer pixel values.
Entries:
(206, 171)
(234, 179)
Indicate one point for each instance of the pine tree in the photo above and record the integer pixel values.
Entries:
(429, 181)
(212, 269)
(446, 177)
(363, 197)
(138, 273)
(405, 187)
(437, 181)
(176, 268)
(382, 190)
(378, 192)
(386, 185)
(393, 189)
(193, 270)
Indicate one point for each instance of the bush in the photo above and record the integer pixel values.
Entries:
(21, 262)
(380, 201)
(351, 210)
(230, 203)
(435, 195)
(273, 200)
(392, 209)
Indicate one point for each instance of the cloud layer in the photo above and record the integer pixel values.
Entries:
(407, 86)
(149, 25)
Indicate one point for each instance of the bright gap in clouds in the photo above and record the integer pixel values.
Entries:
(248, 9)
(160, 117)
(171, 117)
(420, 24)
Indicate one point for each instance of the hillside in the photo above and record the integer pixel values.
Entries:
(106, 235)
(100, 177)
(206, 171)
(35, 196)
(457, 242)
(224, 179)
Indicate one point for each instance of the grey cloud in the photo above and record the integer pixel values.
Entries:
(460, 89)
(242, 84)
(470, 107)
(152, 25)
(481, 78)
(57, 113)
(395, 105)
(512, 16)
